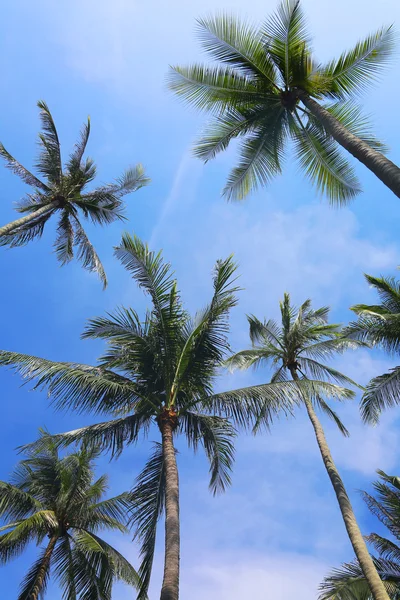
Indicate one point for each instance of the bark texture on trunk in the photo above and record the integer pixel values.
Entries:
(44, 567)
(6, 229)
(170, 585)
(375, 161)
(357, 541)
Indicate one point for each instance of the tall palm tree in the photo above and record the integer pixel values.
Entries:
(379, 324)
(295, 349)
(63, 192)
(58, 498)
(159, 372)
(348, 582)
(267, 88)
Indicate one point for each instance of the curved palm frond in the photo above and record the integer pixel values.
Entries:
(237, 44)
(148, 498)
(86, 252)
(15, 167)
(216, 435)
(355, 69)
(323, 163)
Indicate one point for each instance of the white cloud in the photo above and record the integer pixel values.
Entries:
(221, 577)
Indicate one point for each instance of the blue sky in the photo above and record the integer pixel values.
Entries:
(109, 60)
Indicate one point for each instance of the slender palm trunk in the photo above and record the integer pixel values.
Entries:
(170, 585)
(6, 229)
(349, 518)
(44, 567)
(375, 161)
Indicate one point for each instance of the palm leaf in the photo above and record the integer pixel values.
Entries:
(22, 235)
(323, 163)
(15, 167)
(86, 252)
(286, 38)
(31, 578)
(239, 45)
(260, 156)
(356, 68)
(74, 386)
(216, 435)
(49, 161)
(215, 88)
(348, 582)
(80, 147)
(324, 407)
(64, 242)
(148, 500)
(382, 392)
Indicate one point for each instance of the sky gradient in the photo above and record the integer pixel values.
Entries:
(277, 531)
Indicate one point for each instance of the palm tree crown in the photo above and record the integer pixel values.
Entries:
(63, 191)
(348, 582)
(263, 90)
(58, 498)
(159, 372)
(297, 346)
(379, 324)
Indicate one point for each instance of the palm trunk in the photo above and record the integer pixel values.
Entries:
(44, 567)
(382, 167)
(170, 585)
(6, 229)
(357, 541)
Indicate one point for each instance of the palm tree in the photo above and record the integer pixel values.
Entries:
(267, 88)
(348, 582)
(159, 372)
(63, 192)
(295, 349)
(380, 326)
(59, 499)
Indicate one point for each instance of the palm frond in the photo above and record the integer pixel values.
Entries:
(87, 253)
(49, 162)
(63, 245)
(356, 68)
(16, 503)
(76, 156)
(239, 45)
(323, 163)
(15, 167)
(154, 276)
(22, 235)
(206, 343)
(286, 39)
(74, 386)
(249, 358)
(316, 370)
(260, 156)
(32, 528)
(131, 180)
(88, 544)
(381, 393)
(110, 436)
(122, 326)
(215, 88)
(348, 582)
(223, 129)
(350, 115)
(387, 549)
(324, 407)
(148, 498)
(31, 578)
(216, 435)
